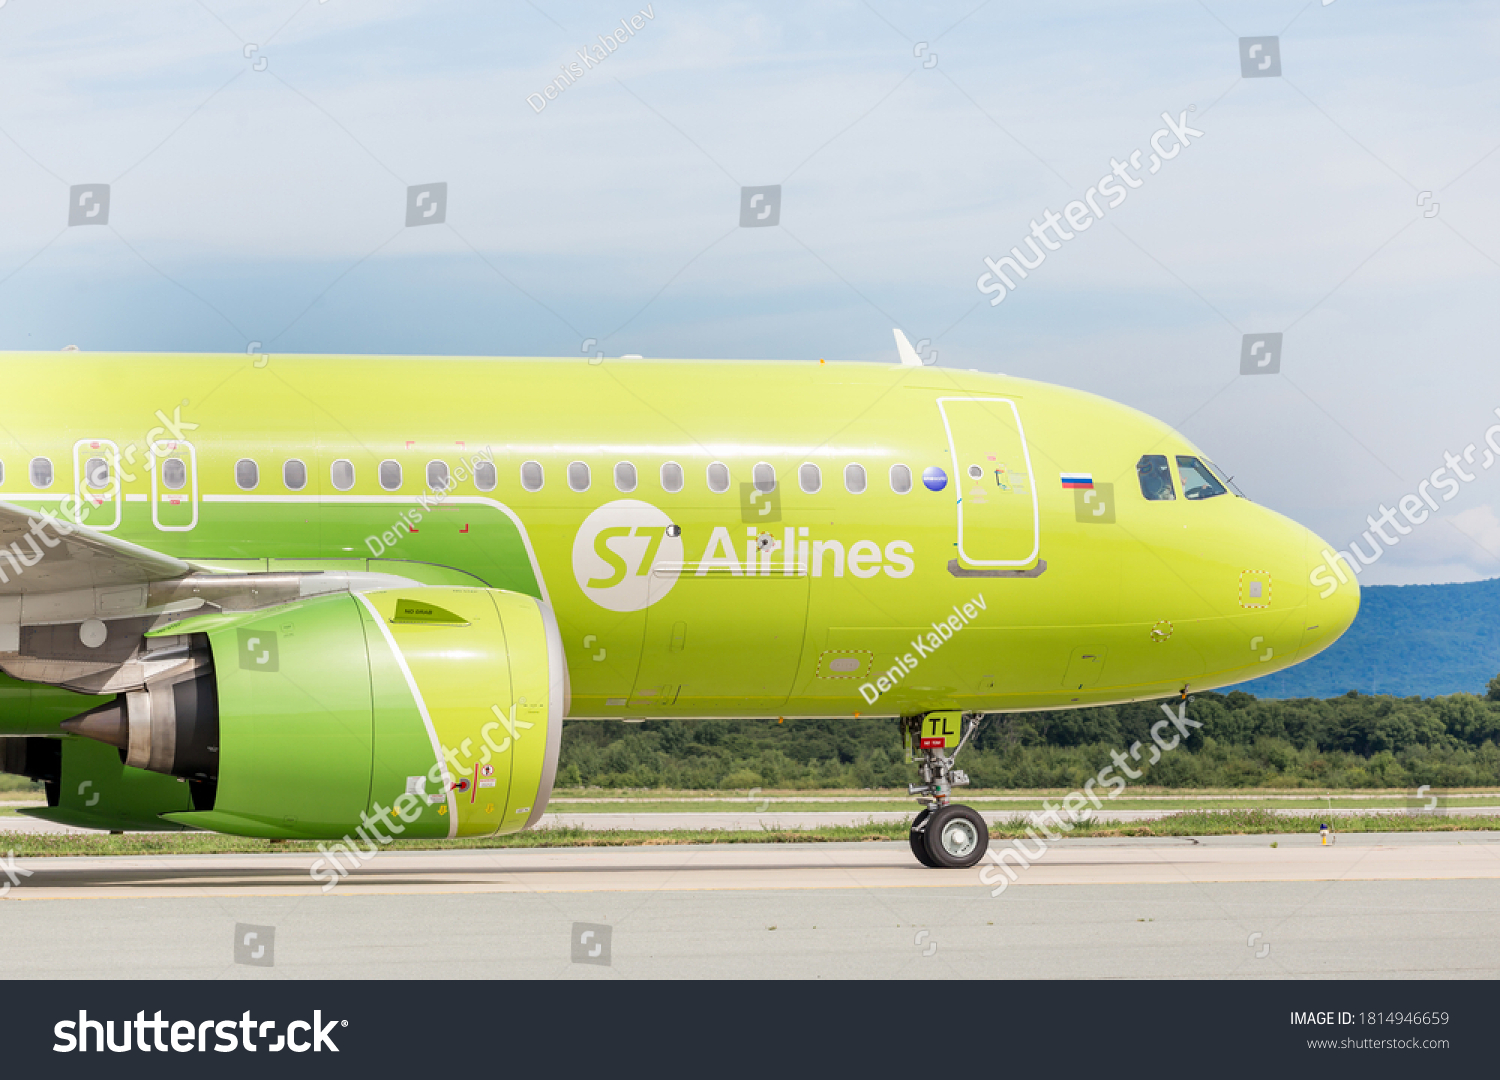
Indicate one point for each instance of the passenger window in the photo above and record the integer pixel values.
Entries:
(671, 477)
(578, 476)
(854, 479)
(485, 475)
(390, 475)
(764, 478)
(532, 476)
(341, 472)
(41, 472)
(900, 479)
(437, 476)
(2, 472)
(624, 476)
(294, 474)
(246, 474)
(1197, 481)
(174, 474)
(96, 473)
(718, 478)
(810, 478)
(1156, 477)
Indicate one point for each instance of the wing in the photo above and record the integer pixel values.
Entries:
(39, 553)
(76, 605)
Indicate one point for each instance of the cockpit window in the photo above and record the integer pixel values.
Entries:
(1156, 477)
(1197, 481)
(1225, 477)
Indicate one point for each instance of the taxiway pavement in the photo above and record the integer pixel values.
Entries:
(1398, 905)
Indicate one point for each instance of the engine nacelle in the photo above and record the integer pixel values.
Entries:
(436, 711)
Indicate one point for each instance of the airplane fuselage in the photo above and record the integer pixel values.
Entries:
(716, 538)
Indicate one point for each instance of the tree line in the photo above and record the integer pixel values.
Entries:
(1351, 741)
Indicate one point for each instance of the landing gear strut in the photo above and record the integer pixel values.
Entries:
(943, 834)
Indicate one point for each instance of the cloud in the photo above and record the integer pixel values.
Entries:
(251, 204)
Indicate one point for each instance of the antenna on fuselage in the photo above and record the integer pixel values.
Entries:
(909, 357)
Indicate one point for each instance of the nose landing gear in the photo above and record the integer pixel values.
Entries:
(943, 834)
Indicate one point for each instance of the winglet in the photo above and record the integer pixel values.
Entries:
(909, 357)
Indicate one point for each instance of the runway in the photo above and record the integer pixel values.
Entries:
(755, 820)
(685, 868)
(1409, 905)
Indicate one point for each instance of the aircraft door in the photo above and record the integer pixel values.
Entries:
(998, 520)
(174, 485)
(96, 483)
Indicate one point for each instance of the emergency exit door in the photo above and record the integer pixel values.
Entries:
(998, 520)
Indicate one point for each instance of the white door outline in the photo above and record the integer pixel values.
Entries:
(959, 475)
(93, 499)
(160, 449)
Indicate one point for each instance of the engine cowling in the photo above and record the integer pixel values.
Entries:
(436, 710)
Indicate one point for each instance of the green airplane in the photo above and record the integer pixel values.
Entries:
(317, 597)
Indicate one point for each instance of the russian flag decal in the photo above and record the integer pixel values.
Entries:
(1076, 481)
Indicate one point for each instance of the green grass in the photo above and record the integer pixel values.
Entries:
(1192, 823)
(742, 804)
(1260, 822)
(1137, 791)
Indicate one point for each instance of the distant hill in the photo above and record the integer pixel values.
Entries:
(1423, 640)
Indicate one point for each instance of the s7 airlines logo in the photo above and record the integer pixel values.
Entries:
(614, 552)
(620, 544)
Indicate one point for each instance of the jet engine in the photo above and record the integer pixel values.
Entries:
(436, 710)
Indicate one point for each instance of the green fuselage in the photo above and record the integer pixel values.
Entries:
(700, 602)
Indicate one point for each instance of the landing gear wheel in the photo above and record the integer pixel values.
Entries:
(918, 837)
(957, 837)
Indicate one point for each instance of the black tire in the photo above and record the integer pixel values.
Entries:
(957, 837)
(918, 837)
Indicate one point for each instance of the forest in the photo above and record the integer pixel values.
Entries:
(1351, 741)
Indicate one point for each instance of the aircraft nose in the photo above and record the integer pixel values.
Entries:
(1332, 597)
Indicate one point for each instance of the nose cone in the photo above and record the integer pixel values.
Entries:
(1332, 597)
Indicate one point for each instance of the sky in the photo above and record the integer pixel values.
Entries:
(260, 157)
